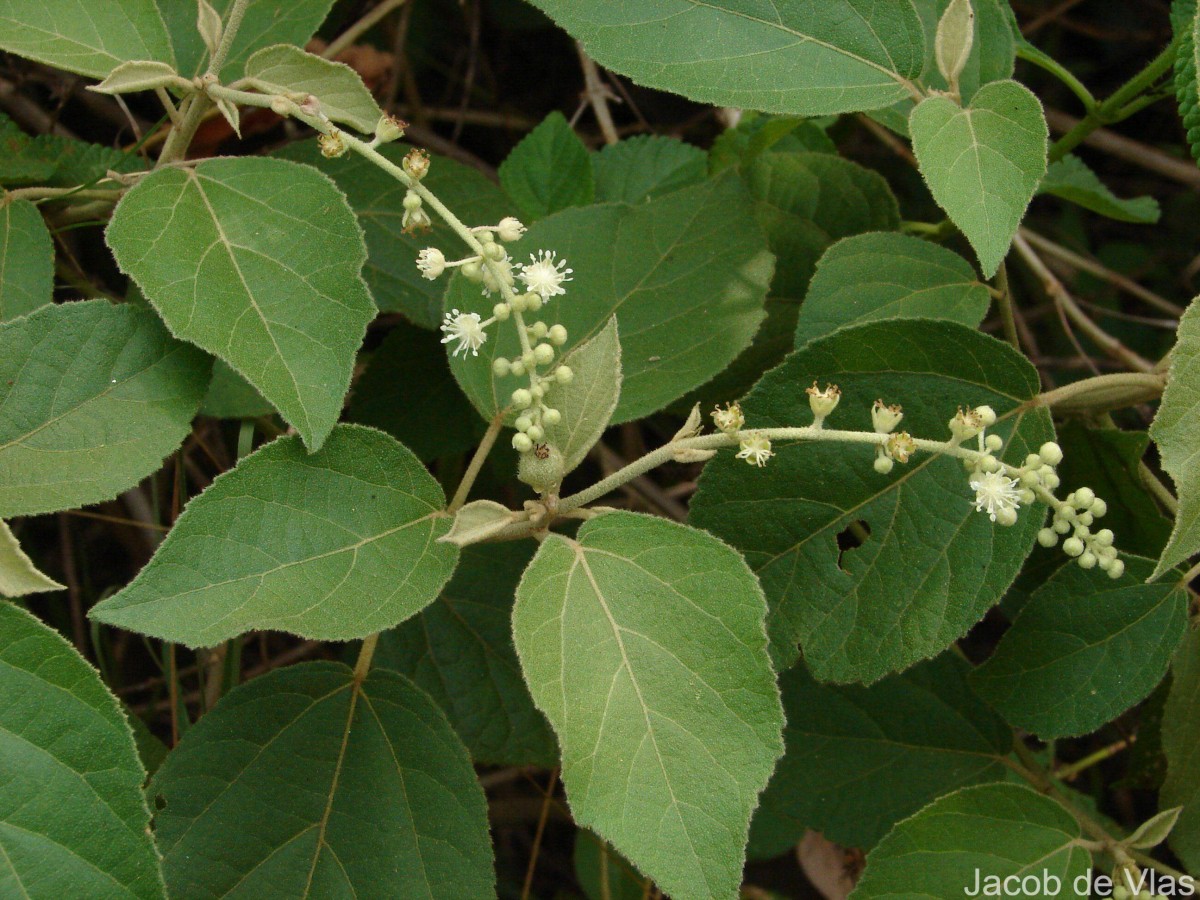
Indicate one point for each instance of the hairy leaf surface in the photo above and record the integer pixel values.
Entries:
(1181, 744)
(549, 170)
(26, 260)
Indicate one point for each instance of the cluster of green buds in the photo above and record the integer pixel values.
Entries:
(416, 166)
(1001, 489)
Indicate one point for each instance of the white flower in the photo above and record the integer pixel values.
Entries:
(729, 419)
(885, 418)
(995, 493)
(467, 329)
(756, 450)
(544, 276)
(431, 262)
(510, 229)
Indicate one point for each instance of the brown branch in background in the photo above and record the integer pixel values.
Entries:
(348, 37)
(1150, 158)
(1071, 310)
(598, 95)
(66, 543)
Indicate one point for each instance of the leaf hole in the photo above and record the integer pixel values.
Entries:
(850, 538)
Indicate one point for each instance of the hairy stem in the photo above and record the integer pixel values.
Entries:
(481, 453)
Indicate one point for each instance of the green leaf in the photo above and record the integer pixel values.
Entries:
(756, 134)
(642, 642)
(1084, 649)
(256, 261)
(477, 521)
(18, 575)
(604, 874)
(549, 170)
(860, 759)
(988, 832)
(808, 58)
(688, 283)
(1070, 179)
(26, 260)
(406, 386)
(230, 396)
(587, 403)
(805, 202)
(993, 49)
(266, 22)
(344, 98)
(983, 163)
(331, 546)
(47, 159)
(1181, 743)
(139, 75)
(460, 650)
(84, 37)
(307, 783)
(94, 396)
(931, 565)
(1185, 22)
(1154, 830)
(882, 276)
(646, 166)
(73, 822)
(377, 198)
(1176, 431)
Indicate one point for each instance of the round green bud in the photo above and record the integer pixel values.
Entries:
(538, 330)
(538, 391)
(883, 464)
(542, 469)
(551, 416)
(486, 237)
(1073, 546)
(517, 367)
(521, 398)
(533, 302)
(544, 354)
(993, 442)
(1051, 453)
(517, 303)
(1104, 537)
(1117, 569)
(1051, 480)
(493, 251)
(1033, 461)
(412, 201)
(472, 271)
(529, 359)
(1099, 508)
(1006, 517)
(501, 311)
(521, 443)
(523, 423)
(1047, 537)
(501, 367)
(989, 463)
(1027, 496)
(1087, 560)
(1084, 497)
(1120, 892)
(535, 433)
(1030, 479)
(1084, 519)
(987, 415)
(1061, 526)
(558, 335)
(563, 375)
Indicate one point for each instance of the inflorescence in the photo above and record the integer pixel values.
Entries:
(1001, 489)
(522, 290)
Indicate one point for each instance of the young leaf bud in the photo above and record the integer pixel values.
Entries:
(952, 43)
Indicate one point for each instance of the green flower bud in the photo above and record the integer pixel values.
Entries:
(993, 442)
(522, 424)
(533, 302)
(521, 443)
(1084, 497)
(494, 252)
(522, 399)
(544, 354)
(501, 367)
(538, 330)
(1006, 516)
(557, 335)
(1050, 453)
(1087, 560)
(883, 464)
(518, 367)
(535, 433)
(1047, 537)
(501, 311)
(551, 416)
(1073, 546)
(472, 271)
(563, 375)
(1099, 508)
(542, 469)
(1117, 569)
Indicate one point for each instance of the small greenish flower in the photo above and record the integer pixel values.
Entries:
(755, 450)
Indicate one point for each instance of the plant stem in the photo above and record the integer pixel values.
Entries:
(1160, 491)
(362, 665)
(1049, 64)
(1101, 393)
(481, 453)
(227, 35)
(1004, 302)
(1069, 771)
(1118, 106)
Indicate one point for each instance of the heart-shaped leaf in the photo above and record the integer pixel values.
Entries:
(983, 163)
